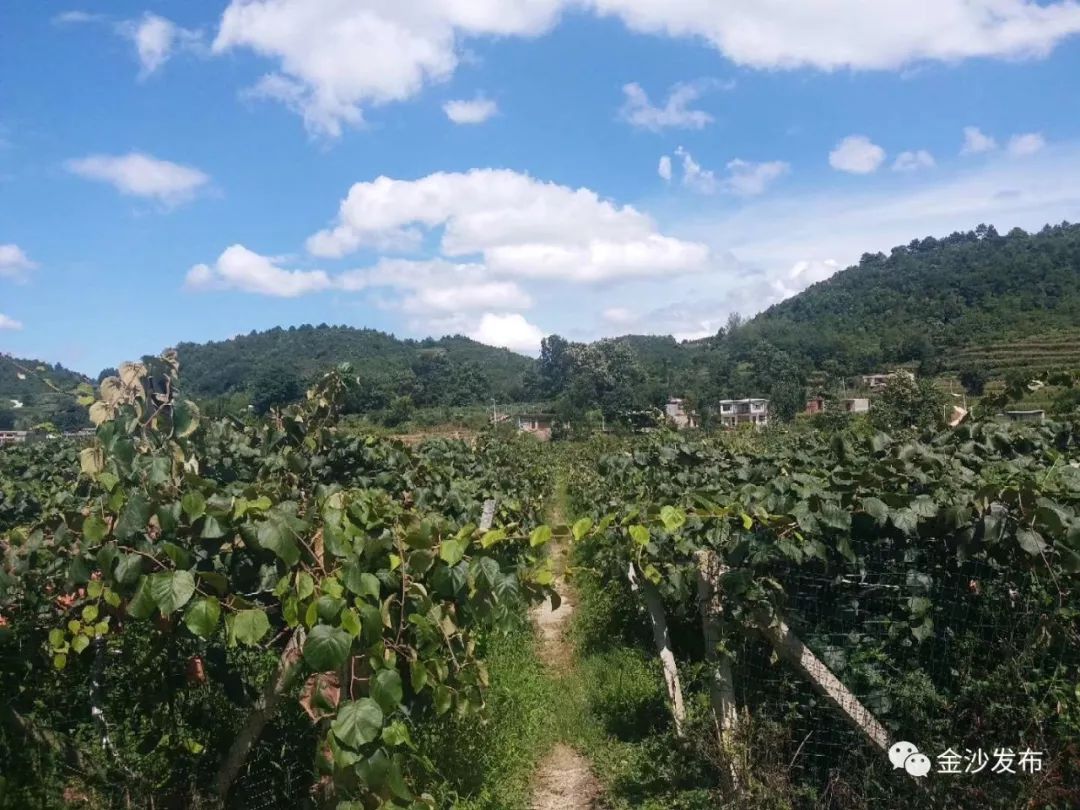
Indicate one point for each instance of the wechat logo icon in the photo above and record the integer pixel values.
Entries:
(906, 755)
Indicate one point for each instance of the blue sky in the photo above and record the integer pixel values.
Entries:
(177, 171)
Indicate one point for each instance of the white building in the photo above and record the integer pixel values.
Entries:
(875, 382)
(678, 415)
(735, 412)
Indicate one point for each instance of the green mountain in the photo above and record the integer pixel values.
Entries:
(26, 398)
(449, 371)
(929, 299)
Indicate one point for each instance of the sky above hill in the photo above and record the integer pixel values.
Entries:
(503, 169)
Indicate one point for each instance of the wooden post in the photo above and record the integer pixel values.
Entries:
(663, 645)
(722, 683)
(264, 709)
(791, 649)
(488, 515)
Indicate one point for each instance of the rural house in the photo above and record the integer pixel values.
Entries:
(537, 424)
(1037, 416)
(679, 415)
(875, 382)
(815, 405)
(752, 411)
(856, 405)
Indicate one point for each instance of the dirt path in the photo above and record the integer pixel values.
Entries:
(564, 780)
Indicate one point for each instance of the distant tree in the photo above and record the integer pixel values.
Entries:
(973, 378)
(7, 418)
(907, 403)
(274, 386)
(401, 408)
(107, 372)
(1066, 403)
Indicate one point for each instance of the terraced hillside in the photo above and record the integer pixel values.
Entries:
(1056, 350)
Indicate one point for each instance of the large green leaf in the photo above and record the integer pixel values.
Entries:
(202, 616)
(171, 590)
(358, 722)
(327, 648)
(386, 689)
(248, 626)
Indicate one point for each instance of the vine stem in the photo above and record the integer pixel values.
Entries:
(264, 710)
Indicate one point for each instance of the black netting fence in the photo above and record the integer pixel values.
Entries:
(964, 662)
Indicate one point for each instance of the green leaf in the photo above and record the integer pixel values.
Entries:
(194, 505)
(171, 590)
(327, 648)
(202, 617)
(350, 622)
(541, 535)
(248, 627)
(358, 722)
(395, 734)
(141, 605)
(80, 643)
(673, 518)
(924, 630)
(90, 614)
(443, 699)
(276, 535)
(95, 529)
(185, 418)
(57, 638)
(492, 537)
(418, 675)
(134, 517)
(386, 689)
(305, 585)
(451, 551)
(834, 516)
(639, 534)
(581, 527)
(876, 508)
(128, 568)
(1030, 541)
(905, 521)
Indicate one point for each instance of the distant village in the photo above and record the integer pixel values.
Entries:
(750, 411)
(732, 414)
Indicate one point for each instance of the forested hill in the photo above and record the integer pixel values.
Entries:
(448, 371)
(27, 400)
(928, 298)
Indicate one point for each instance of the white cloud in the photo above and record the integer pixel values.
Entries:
(664, 168)
(156, 39)
(619, 316)
(749, 179)
(520, 226)
(238, 268)
(9, 323)
(912, 161)
(508, 331)
(856, 154)
(695, 177)
(142, 175)
(1027, 144)
(975, 142)
(885, 34)
(638, 111)
(780, 245)
(437, 287)
(342, 55)
(76, 18)
(14, 263)
(336, 57)
(744, 178)
(476, 111)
